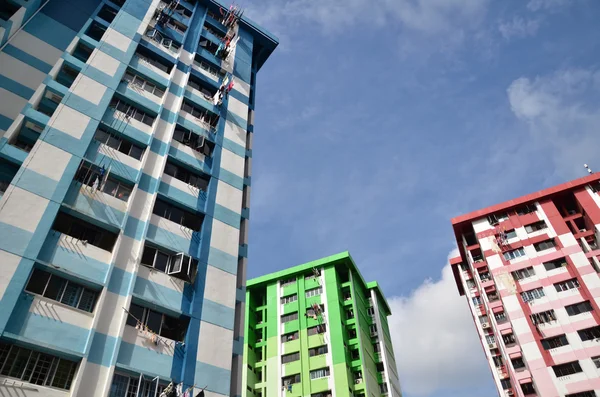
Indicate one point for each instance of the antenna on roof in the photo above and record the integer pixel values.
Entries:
(588, 169)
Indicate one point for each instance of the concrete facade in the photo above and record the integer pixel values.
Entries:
(123, 195)
(529, 270)
(318, 330)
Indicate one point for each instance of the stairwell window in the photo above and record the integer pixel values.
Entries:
(142, 84)
(567, 369)
(544, 245)
(578, 308)
(567, 285)
(532, 294)
(61, 290)
(175, 214)
(289, 299)
(194, 179)
(119, 143)
(36, 368)
(319, 373)
(589, 333)
(314, 292)
(289, 317)
(534, 227)
(159, 323)
(85, 232)
(516, 253)
(555, 264)
(131, 111)
(523, 273)
(554, 342)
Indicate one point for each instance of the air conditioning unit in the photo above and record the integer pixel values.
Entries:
(358, 381)
(510, 393)
(492, 345)
(485, 325)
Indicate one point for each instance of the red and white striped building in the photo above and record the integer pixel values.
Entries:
(529, 270)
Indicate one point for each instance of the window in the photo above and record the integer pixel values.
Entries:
(288, 358)
(178, 265)
(543, 317)
(497, 360)
(86, 232)
(311, 311)
(517, 363)
(523, 273)
(317, 351)
(161, 324)
(198, 143)
(567, 285)
(119, 143)
(532, 294)
(376, 347)
(35, 367)
(289, 299)
(509, 339)
(373, 329)
(198, 85)
(207, 67)
(477, 300)
(290, 337)
(371, 311)
(554, 342)
(510, 234)
(351, 333)
(567, 369)
(290, 380)
(314, 292)
(527, 388)
(349, 314)
(590, 393)
(354, 354)
(107, 13)
(131, 111)
(596, 361)
(509, 255)
(8, 10)
(322, 394)
(526, 209)
(505, 384)
(555, 264)
(544, 245)
(96, 31)
(501, 316)
(319, 329)
(319, 373)
(175, 214)
(383, 388)
(148, 57)
(490, 339)
(162, 40)
(197, 180)
(534, 227)
(289, 317)
(579, 308)
(288, 282)
(128, 386)
(61, 290)
(90, 175)
(207, 119)
(141, 84)
(215, 32)
(589, 333)
(485, 276)
(470, 284)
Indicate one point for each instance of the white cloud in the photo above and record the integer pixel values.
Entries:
(435, 342)
(519, 27)
(562, 112)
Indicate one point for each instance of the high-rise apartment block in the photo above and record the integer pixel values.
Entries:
(529, 269)
(318, 330)
(125, 150)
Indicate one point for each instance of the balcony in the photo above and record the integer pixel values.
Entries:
(119, 121)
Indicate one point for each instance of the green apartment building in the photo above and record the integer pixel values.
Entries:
(318, 330)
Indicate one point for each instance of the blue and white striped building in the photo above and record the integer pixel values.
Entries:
(124, 195)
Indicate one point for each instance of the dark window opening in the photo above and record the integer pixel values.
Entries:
(578, 308)
(319, 329)
(107, 13)
(178, 265)
(567, 369)
(288, 358)
(7, 10)
(197, 180)
(518, 363)
(120, 143)
(175, 214)
(86, 232)
(207, 91)
(66, 75)
(150, 58)
(159, 323)
(61, 290)
(555, 264)
(96, 31)
(554, 342)
(130, 111)
(204, 117)
(589, 333)
(290, 337)
(317, 351)
(544, 245)
(193, 140)
(527, 388)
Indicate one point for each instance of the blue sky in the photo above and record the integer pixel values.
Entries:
(379, 120)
